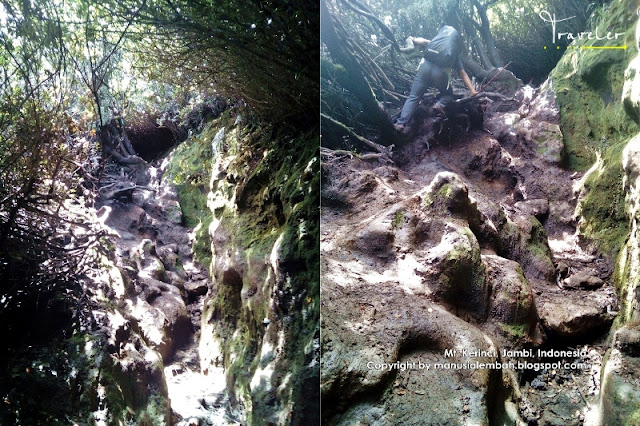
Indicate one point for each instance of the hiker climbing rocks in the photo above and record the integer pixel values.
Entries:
(440, 55)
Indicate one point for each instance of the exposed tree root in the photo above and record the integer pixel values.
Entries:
(335, 134)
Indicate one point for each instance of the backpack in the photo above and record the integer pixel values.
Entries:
(444, 48)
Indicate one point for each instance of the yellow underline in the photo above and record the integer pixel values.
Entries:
(604, 47)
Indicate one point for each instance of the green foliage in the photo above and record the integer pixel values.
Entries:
(62, 370)
(40, 252)
(263, 52)
(521, 35)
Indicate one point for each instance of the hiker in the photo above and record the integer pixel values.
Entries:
(440, 54)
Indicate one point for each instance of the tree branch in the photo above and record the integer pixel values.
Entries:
(335, 132)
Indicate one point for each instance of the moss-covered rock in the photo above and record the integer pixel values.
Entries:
(620, 394)
(448, 194)
(627, 273)
(461, 282)
(512, 302)
(589, 87)
(189, 169)
(524, 240)
(260, 186)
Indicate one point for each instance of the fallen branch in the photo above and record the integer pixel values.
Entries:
(398, 97)
(334, 131)
(488, 95)
(332, 154)
(123, 192)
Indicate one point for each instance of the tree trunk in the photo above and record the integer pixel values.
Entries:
(485, 32)
(118, 146)
(501, 77)
(356, 84)
(476, 70)
(480, 49)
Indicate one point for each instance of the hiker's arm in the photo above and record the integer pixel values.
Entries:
(412, 43)
(467, 82)
(419, 41)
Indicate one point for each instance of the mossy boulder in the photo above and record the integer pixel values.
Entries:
(460, 284)
(595, 121)
(448, 194)
(147, 264)
(543, 137)
(627, 339)
(254, 195)
(524, 239)
(620, 390)
(512, 301)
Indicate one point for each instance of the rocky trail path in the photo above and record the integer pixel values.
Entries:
(482, 229)
(524, 183)
(164, 288)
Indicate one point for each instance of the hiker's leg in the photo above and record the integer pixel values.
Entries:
(441, 82)
(419, 86)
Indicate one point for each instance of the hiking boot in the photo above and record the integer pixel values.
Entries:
(399, 127)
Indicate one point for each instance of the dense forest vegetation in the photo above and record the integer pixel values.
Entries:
(73, 75)
(364, 66)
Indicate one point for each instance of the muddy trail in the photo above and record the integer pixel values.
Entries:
(458, 253)
(164, 288)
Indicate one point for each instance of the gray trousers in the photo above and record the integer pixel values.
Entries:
(428, 75)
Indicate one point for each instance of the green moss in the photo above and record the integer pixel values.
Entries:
(588, 84)
(438, 201)
(274, 180)
(515, 330)
(620, 398)
(445, 191)
(398, 220)
(603, 207)
(190, 171)
(537, 244)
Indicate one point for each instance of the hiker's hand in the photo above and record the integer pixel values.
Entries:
(409, 46)
(473, 92)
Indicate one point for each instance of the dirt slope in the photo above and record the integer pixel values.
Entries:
(465, 242)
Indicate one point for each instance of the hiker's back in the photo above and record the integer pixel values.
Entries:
(444, 48)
